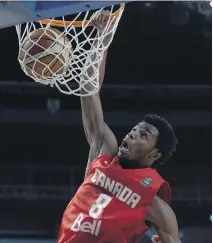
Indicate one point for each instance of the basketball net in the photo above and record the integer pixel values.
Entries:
(85, 46)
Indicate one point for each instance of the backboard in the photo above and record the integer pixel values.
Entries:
(18, 12)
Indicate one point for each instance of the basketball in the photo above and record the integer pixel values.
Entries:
(45, 53)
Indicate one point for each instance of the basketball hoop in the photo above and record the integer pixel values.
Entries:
(85, 45)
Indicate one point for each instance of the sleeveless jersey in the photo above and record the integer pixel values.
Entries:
(111, 204)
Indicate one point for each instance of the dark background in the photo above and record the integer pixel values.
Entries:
(159, 62)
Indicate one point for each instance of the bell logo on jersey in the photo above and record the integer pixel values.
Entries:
(89, 227)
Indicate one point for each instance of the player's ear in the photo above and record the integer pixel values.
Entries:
(157, 155)
(154, 155)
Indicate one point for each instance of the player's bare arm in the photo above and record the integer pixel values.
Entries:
(99, 136)
(162, 217)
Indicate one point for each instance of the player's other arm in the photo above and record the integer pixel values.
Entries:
(99, 136)
(162, 217)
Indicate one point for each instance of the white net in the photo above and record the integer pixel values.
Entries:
(66, 55)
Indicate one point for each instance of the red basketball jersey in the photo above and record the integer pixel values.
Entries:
(111, 204)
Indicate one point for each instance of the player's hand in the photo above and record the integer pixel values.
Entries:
(155, 239)
(101, 20)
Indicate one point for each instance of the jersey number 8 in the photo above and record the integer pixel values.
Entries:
(97, 208)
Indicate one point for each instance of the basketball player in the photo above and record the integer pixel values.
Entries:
(122, 194)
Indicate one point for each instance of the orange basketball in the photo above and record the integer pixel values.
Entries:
(45, 53)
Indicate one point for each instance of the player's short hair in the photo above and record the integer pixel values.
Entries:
(167, 141)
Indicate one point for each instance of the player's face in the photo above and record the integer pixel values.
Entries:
(139, 145)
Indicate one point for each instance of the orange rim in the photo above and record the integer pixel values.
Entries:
(61, 23)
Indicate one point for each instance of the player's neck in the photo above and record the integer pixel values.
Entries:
(130, 164)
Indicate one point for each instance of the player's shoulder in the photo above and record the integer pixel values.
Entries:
(151, 181)
(149, 176)
(154, 173)
(164, 189)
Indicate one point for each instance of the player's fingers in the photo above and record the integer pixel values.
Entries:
(93, 23)
(105, 16)
(106, 13)
(100, 20)
(96, 20)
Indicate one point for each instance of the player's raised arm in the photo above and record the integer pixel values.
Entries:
(162, 217)
(99, 136)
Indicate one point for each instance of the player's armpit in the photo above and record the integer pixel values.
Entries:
(162, 217)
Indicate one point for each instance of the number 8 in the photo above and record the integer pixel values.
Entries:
(97, 208)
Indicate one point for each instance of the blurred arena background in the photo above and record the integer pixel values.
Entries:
(159, 62)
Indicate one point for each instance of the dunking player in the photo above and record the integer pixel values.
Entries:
(122, 194)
